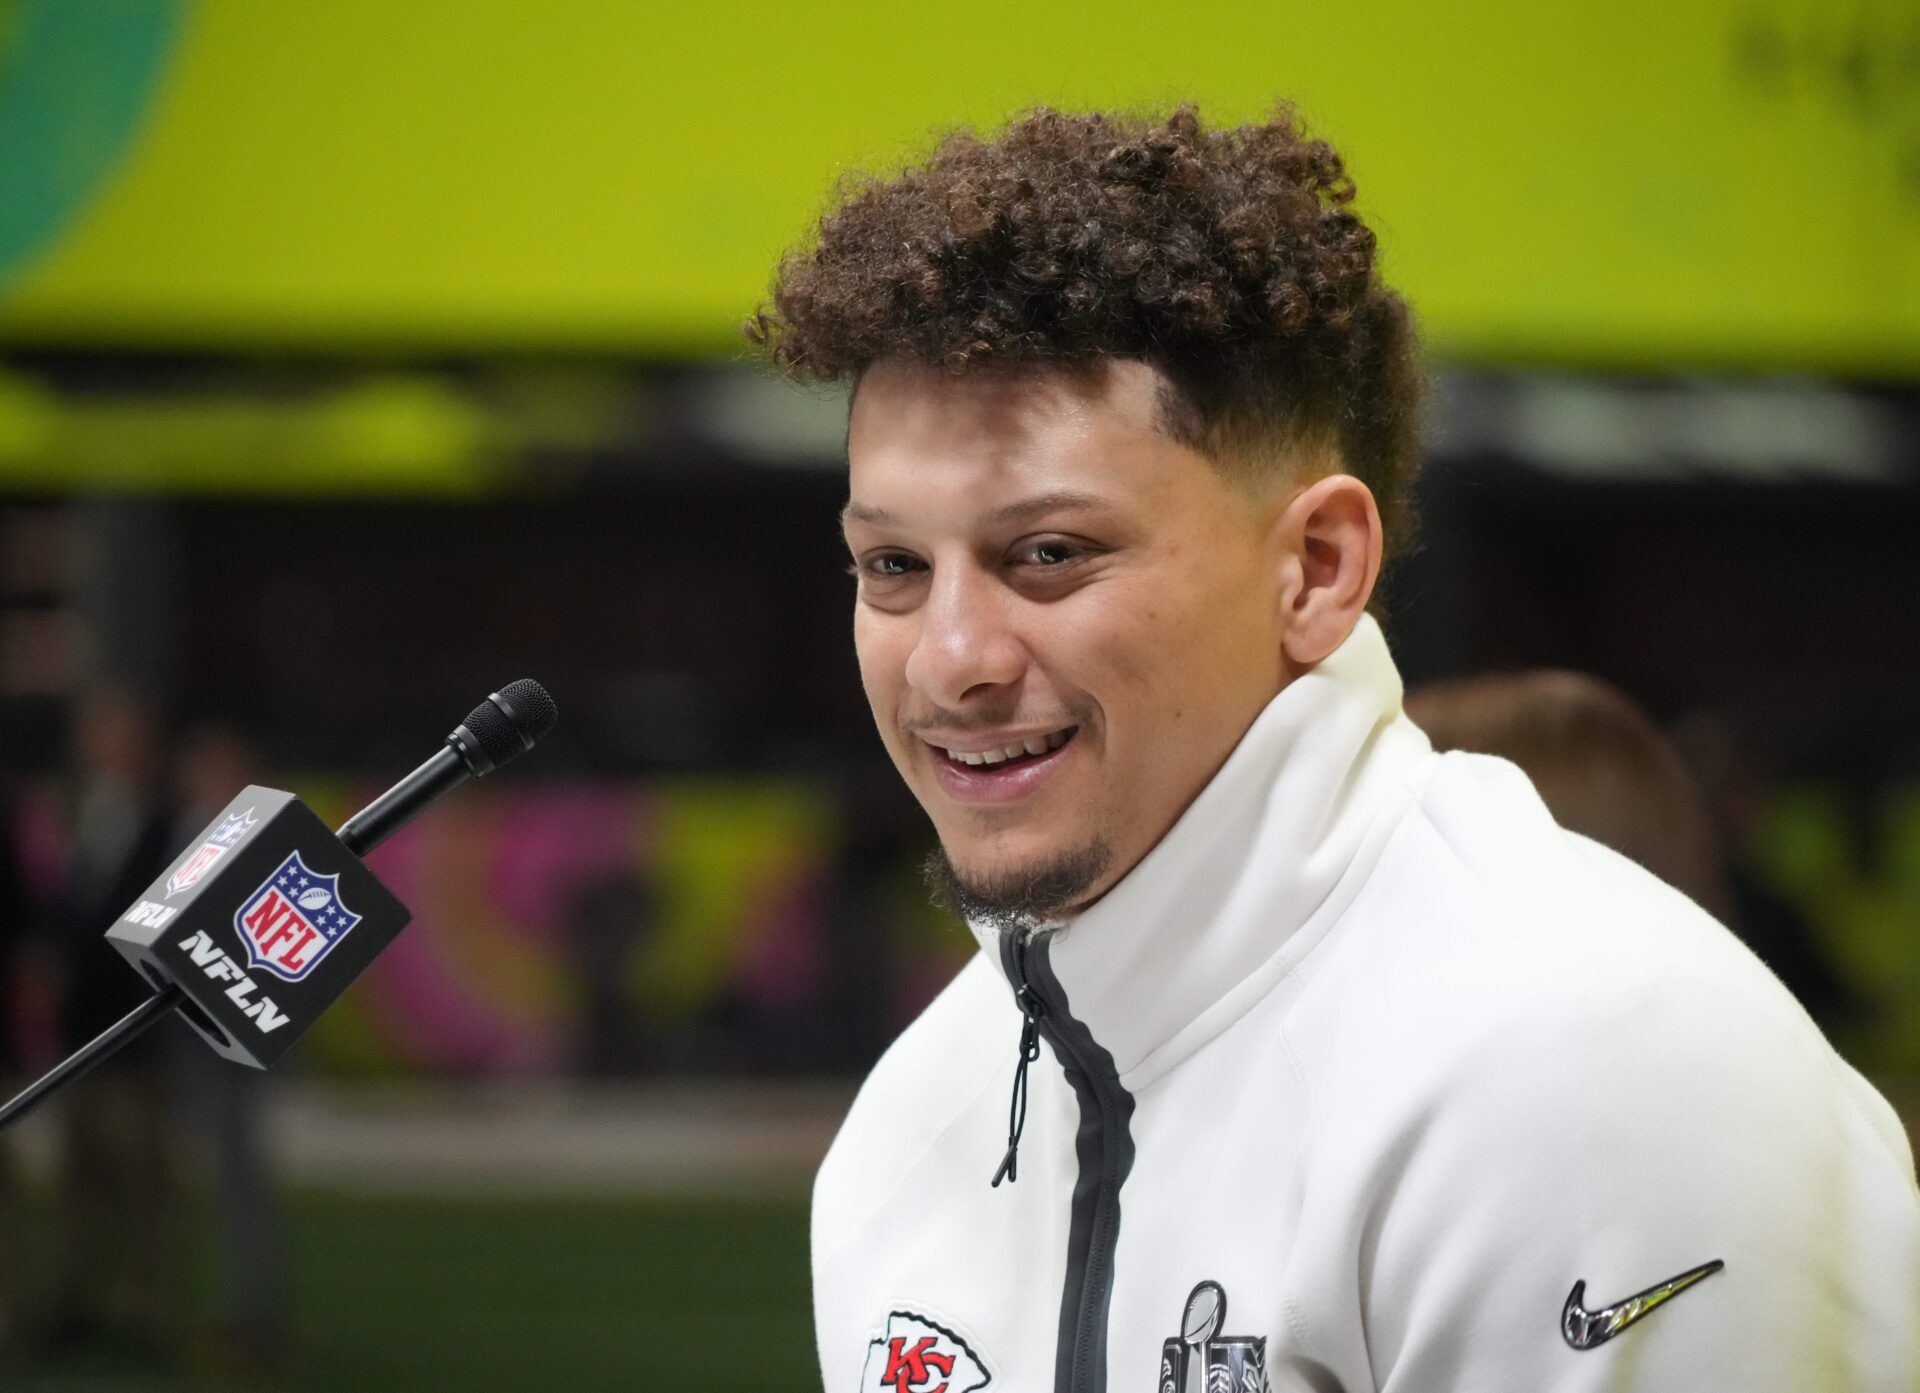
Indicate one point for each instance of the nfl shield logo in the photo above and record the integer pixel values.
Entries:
(233, 830)
(229, 834)
(293, 920)
(197, 865)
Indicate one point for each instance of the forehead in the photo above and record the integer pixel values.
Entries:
(922, 436)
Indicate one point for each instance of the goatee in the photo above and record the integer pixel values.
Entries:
(1025, 898)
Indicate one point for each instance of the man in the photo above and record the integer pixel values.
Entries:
(210, 761)
(115, 1259)
(1360, 1072)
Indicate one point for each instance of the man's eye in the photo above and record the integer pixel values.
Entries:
(888, 565)
(1052, 552)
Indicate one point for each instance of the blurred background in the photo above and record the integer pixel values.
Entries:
(358, 358)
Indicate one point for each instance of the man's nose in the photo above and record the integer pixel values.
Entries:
(966, 639)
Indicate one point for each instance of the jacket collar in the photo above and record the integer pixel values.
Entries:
(1251, 873)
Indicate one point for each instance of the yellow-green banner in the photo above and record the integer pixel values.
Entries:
(1638, 183)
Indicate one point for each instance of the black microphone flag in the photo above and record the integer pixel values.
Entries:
(261, 923)
(268, 916)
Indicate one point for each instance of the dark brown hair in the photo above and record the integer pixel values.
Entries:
(1231, 259)
(1598, 761)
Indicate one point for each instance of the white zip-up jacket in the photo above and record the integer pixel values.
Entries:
(1369, 1076)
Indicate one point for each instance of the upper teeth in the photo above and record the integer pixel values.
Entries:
(1033, 745)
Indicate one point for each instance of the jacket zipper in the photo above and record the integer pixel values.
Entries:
(1103, 1147)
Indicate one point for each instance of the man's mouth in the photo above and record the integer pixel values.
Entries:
(1001, 773)
(1010, 755)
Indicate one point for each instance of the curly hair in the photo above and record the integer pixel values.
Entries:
(1230, 259)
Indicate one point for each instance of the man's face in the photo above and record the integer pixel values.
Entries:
(1043, 570)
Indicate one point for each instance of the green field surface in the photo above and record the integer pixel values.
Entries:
(476, 1294)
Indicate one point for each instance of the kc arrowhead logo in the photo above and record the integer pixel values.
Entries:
(914, 1354)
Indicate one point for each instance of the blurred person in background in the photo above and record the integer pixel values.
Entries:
(1605, 770)
(1736, 773)
(15, 915)
(1357, 1060)
(213, 761)
(610, 920)
(1599, 763)
(880, 977)
(115, 1256)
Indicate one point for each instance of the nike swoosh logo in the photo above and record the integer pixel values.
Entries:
(1584, 1329)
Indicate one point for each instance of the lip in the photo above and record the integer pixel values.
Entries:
(983, 785)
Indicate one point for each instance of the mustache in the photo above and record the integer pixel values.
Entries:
(972, 723)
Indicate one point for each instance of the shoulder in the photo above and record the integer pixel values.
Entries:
(1562, 1067)
(1530, 958)
(936, 1068)
(1506, 998)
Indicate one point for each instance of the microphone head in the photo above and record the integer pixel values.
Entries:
(504, 726)
(529, 707)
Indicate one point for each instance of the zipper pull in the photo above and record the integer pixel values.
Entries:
(1031, 1009)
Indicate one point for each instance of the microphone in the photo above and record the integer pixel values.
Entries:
(268, 917)
(496, 732)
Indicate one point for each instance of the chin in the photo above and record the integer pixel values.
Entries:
(1021, 891)
(984, 861)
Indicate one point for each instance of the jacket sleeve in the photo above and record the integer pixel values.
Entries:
(1612, 1151)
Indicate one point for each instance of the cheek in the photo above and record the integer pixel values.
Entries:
(881, 645)
(1219, 614)
(1121, 647)
(1172, 649)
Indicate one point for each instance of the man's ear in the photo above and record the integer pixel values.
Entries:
(1332, 539)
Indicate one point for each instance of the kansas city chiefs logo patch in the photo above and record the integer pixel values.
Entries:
(916, 1354)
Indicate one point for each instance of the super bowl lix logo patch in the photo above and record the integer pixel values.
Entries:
(913, 1353)
(1202, 1360)
(293, 920)
(222, 839)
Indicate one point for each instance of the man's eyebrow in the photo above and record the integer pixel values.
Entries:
(1055, 500)
(860, 512)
